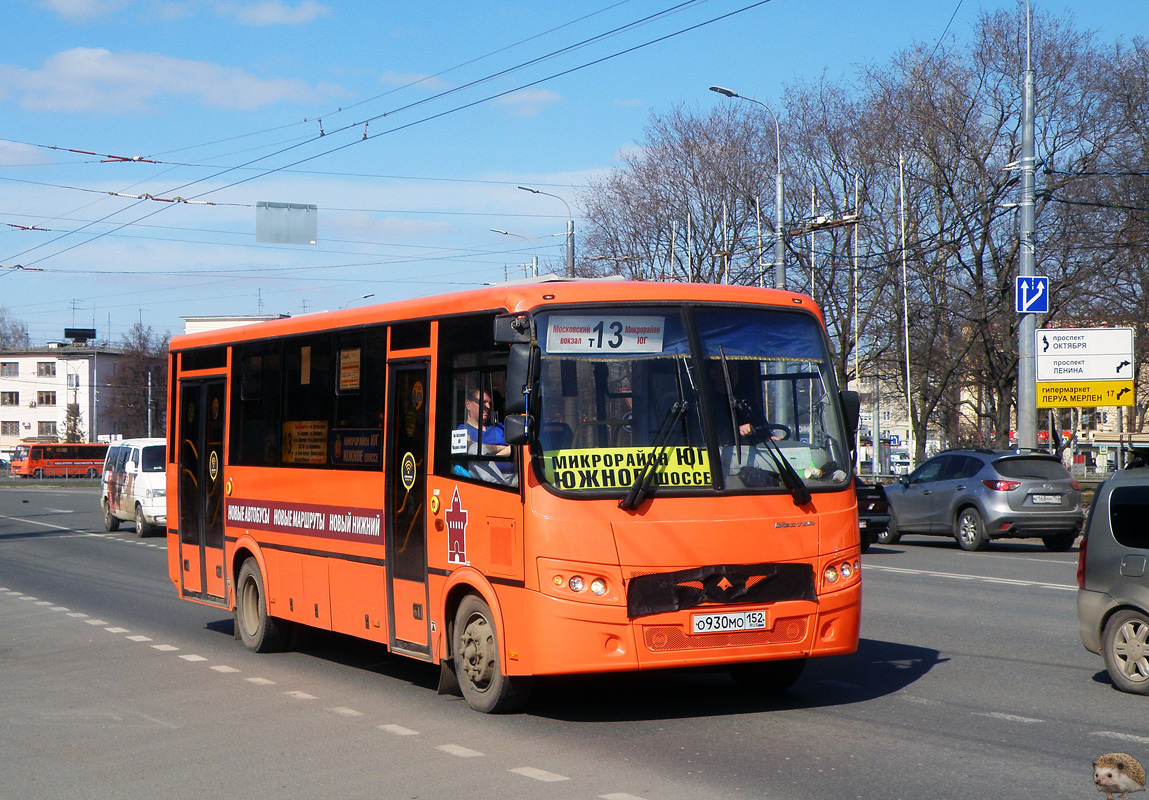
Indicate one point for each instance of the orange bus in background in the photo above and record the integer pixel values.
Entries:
(79, 460)
(525, 480)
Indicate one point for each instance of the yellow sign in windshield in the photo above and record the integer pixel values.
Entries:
(618, 467)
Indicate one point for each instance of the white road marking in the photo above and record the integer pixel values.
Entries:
(96, 621)
(167, 648)
(346, 712)
(1125, 737)
(58, 608)
(224, 668)
(620, 796)
(539, 774)
(301, 695)
(458, 750)
(398, 730)
(191, 657)
(116, 630)
(961, 577)
(1007, 717)
(139, 638)
(260, 681)
(78, 614)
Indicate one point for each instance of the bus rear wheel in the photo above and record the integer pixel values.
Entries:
(260, 632)
(475, 648)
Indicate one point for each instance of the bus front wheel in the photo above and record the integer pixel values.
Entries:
(476, 652)
(260, 632)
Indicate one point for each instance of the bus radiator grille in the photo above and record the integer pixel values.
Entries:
(660, 638)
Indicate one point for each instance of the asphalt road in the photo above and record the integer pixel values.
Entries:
(970, 682)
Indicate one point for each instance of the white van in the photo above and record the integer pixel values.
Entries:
(134, 485)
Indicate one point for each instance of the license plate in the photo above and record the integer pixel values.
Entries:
(731, 621)
(1046, 499)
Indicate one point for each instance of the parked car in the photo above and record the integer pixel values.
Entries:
(980, 495)
(1112, 579)
(873, 512)
(133, 485)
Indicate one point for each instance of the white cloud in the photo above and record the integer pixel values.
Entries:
(100, 81)
(274, 12)
(15, 154)
(529, 102)
(83, 10)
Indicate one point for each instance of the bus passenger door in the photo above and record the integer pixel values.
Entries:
(406, 541)
(201, 429)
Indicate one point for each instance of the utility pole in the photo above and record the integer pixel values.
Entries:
(1027, 325)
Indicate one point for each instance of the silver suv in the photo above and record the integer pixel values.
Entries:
(1113, 582)
(979, 495)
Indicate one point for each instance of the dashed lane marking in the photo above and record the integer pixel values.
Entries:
(1063, 587)
(459, 750)
(539, 774)
(398, 730)
(1007, 717)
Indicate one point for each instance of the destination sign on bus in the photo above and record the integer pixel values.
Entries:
(586, 469)
(605, 334)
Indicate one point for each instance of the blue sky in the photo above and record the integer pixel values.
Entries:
(227, 100)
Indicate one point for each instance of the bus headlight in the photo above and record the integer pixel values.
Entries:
(598, 587)
(575, 583)
(831, 574)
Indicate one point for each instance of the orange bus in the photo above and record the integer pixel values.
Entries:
(535, 479)
(79, 460)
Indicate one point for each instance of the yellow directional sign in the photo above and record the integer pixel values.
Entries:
(1067, 394)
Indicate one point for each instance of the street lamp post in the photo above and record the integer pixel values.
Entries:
(779, 245)
(534, 258)
(360, 297)
(570, 228)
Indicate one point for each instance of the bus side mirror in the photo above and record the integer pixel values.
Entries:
(513, 329)
(851, 409)
(522, 364)
(516, 427)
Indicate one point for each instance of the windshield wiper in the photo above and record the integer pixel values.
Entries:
(646, 473)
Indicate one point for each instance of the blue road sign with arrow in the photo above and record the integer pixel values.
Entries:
(1031, 294)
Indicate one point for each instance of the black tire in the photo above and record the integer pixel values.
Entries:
(39, 475)
(92, 472)
(111, 521)
(866, 540)
(890, 535)
(969, 531)
(1059, 542)
(143, 527)
(1125, 645)
(260, 632)
(475, 646)
(768, 677)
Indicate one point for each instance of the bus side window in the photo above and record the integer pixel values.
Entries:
(479, 447)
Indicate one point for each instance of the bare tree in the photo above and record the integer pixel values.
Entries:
(139, 384)
(13, 333)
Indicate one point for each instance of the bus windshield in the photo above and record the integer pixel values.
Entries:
(726, 399)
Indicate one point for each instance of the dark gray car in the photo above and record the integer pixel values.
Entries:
(1113, 596)
(979, 495)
